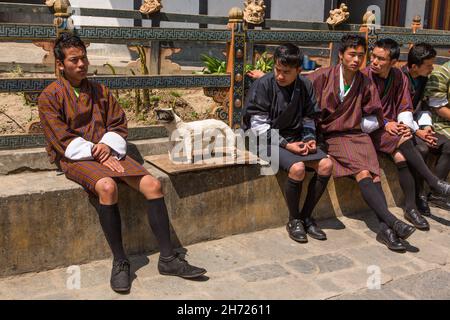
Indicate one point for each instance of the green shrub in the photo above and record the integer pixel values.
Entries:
(213, 65)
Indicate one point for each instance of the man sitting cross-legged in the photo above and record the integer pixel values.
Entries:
(395, 138)
(421, 58)
(85, 129)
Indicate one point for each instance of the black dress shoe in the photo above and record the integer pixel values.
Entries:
(313, 230)
(120, 276)
(422, 205)
(296, 231)
(439, 200)
(443, 187)
(390, 239)
(416, 219)
(177, 266)
(403, 230)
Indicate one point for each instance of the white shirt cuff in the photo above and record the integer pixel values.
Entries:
(116, 143)
(309, 123)
(79, 149)
(407, 118)
(425, 119)
(259, 124)
(369, 124)
(437, 102)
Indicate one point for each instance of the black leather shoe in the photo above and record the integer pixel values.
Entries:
(296, 231)
(313, 230)
(390, 239)
(177, 266)
(443, 187)
(416, 219)
(120, 276)
(403, 230)
(439, 201)
(422, 206)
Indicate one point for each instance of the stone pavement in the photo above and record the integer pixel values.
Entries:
(268, 265)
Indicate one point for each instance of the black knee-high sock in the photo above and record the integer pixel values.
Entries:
(316, 187)
(415, 160)
(380, 190)
(293, 190)
(109, 217)
(407, 183)
(443, 163)
(418, 180)
(159, 222)
(376, 201)
(443, 166)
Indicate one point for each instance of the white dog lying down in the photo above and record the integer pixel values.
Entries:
(188, 135)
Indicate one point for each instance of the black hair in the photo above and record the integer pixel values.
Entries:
(352, 41)
(288, 54)
(420, 52)
(391, 45)
(67, 40)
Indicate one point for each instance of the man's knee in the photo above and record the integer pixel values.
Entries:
(423, 150)
(325, 167)
(446, 147)
(398, 157)
(106, 187)
(150, 184)
(362, 175)
(297, 171)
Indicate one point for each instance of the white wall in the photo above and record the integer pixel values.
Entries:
(177, 6)
(106, 4)
(112, 50)
(414, 7)
(304, 10)
(221, 8)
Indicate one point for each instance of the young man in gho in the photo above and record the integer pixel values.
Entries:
(351, 109)
(421, 58)
(396, 138)
(85, 129)
(285, 101)
(437, 96)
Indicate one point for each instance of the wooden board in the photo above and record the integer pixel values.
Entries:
(162, 162)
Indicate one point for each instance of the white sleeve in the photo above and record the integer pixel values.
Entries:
(437, 102)
(259, 123)
(425, 119)
(79, 149)
(369, 124)
(116, 143)
(406, 117)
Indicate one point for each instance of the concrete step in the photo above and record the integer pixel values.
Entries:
(47, 221)
(268, 265)
(36, 159)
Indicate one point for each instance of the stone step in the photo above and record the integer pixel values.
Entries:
(36, 159)
(268, 265)
(47, 221)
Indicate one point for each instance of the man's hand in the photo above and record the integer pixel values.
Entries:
(428, 136)
(255, 74)
(392, 128)
(299, 148)
(404, 129)
(101, 152)
(312, 146)
(113, 164)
